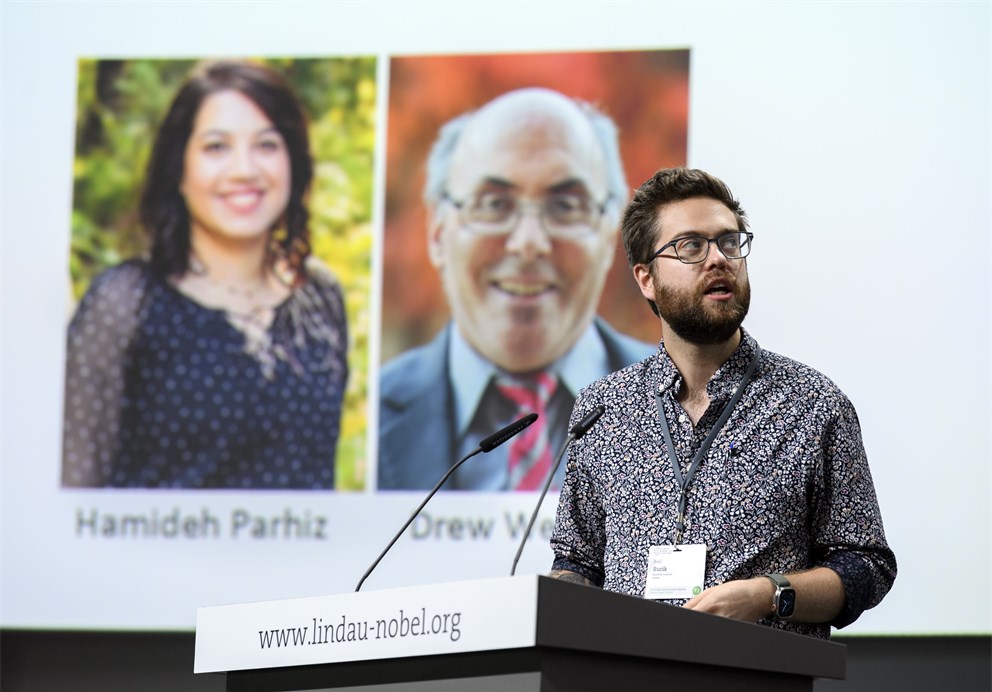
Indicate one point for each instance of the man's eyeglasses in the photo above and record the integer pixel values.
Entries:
(693, 249)
(563, 215)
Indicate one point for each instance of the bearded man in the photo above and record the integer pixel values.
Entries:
(722, 477)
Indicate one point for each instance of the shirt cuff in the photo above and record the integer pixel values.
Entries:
(592, 575)
(856, 577)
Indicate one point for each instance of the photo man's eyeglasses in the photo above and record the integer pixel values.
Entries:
(563, 215)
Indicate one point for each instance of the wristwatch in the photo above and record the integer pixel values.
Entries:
(784, 600)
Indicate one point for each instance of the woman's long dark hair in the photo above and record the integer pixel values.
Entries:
(163, 210)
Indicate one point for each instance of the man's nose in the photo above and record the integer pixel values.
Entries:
(714, 257)
(529, 239)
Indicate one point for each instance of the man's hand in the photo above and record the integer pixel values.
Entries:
(746, 599)
(566, 575)
(819, 597)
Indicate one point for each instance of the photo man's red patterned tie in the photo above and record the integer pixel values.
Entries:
(530, 451)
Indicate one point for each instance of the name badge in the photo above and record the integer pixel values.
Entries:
(675, 571)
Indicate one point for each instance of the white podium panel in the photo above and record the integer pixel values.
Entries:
(448, 618)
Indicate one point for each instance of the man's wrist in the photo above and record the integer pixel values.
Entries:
(783, 596)
(767, 596)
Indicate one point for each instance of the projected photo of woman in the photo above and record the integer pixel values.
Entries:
(218, 359)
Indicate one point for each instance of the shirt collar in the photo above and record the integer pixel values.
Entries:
(585, 362)
(724, 380)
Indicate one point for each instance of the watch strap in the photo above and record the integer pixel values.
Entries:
(778, 579)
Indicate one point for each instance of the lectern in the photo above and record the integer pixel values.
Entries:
(511, 633)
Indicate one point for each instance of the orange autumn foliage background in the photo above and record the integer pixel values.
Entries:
(646, 93)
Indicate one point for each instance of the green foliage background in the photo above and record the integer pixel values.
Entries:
(120, 105)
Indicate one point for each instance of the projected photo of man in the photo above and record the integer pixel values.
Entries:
(219, 358)
(523, 199)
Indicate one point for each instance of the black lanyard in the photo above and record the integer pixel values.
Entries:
(707, 443)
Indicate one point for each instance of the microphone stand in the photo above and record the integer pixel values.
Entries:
(413, 516)
(487, 445)
(577, 431)
(544, 491)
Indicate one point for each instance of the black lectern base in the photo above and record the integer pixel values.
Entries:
(526, 670)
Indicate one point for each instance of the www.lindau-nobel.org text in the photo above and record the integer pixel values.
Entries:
(414, 624)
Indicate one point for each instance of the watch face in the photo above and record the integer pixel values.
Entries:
(786, 603)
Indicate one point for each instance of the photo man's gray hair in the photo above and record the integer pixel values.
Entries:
(439, 161)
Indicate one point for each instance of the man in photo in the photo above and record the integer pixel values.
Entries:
(523, 196)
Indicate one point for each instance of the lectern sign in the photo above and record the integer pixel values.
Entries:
(417, 621)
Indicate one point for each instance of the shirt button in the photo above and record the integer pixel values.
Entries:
(682, 418)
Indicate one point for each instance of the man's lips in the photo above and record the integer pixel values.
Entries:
(719, 288)
(524, 288)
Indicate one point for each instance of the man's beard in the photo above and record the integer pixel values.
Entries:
(685, 313)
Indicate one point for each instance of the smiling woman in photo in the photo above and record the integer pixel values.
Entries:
(219, 360)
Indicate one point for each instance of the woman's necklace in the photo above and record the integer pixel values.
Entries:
(254, 325)
(249, 307)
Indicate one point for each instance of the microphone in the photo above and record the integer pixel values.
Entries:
(582, 427)
(487, 445)
(501, 436)
(577, 431)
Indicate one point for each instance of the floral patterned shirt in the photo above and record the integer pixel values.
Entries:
(785, 485)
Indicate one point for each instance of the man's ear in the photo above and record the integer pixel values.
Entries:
(435, 233)
(642, 274)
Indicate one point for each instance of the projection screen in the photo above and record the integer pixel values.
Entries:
(855, 135)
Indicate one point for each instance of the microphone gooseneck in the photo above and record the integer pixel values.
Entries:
(487, 445)
(577, 431)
